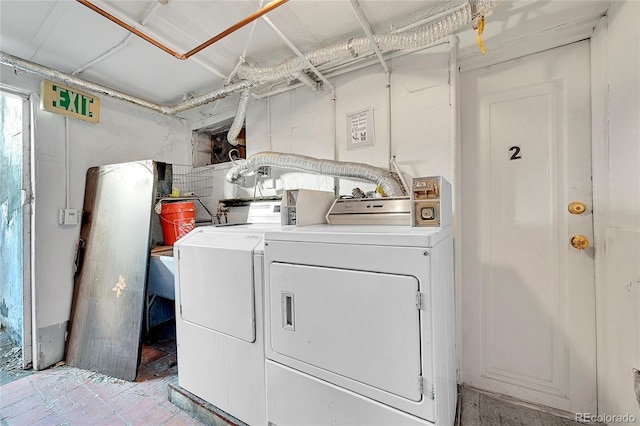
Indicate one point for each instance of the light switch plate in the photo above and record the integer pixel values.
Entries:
(68, 217)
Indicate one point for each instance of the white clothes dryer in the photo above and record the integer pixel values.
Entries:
(360, 326)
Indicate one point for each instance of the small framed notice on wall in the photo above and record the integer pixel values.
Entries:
(360, 128)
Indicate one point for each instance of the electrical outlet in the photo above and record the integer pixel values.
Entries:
(68, 217)
(264, 171)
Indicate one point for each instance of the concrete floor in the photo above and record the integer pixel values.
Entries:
(476, 408)
(64, 395)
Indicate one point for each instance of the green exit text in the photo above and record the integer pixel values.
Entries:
(72, 101)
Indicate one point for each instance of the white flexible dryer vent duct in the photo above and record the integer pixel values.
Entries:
(385, 179)
(355, 47)
(238, 121)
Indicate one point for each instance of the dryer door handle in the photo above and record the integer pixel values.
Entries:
(288, 311)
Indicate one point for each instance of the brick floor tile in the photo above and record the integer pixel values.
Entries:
(151, 354)
(14, 385)
(13, 394)
(110, 390)
(80, 395)
(182, 419)
(119, 401)
(112, 420)
(95, 416)
(22, 406)
(32, 415)
(44, 382)
(156, 416)
(171, 407)
(137, 408)
(50, 420)
(166, 365)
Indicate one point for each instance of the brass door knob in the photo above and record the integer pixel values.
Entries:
(580, 242)
(577, 207)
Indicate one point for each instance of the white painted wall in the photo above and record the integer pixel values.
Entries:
(125, 133)
(618, 279)
(412, 123)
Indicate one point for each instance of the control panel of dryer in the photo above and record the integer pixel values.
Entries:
(430, 201)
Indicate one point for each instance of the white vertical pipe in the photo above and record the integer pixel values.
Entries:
(336, 180)
(454, 97)
(27, 258)
(392, 156)
(67, 185)
(36, 360)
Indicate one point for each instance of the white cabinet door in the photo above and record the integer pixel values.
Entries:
(528, 295)
(360, 325)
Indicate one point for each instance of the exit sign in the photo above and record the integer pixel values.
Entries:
(70, 102)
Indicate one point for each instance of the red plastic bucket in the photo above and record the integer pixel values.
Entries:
(177, 220)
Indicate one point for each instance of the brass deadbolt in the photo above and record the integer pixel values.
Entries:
(580, 242)
(577, 207)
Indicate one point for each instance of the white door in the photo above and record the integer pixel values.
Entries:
(528, 295)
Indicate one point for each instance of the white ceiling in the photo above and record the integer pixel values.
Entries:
(66, 35)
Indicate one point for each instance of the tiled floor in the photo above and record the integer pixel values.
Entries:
(65, 395)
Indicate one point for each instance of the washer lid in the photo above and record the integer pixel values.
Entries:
(216, 282)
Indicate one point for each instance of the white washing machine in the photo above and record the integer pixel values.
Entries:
(219, 313)
(360, 326)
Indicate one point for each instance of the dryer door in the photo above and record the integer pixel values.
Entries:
(357, 324)
(215, 282)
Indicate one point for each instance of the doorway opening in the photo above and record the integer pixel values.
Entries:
(15, 320)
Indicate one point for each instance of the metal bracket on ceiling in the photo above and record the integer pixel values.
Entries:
(367, 30)
(298, 53)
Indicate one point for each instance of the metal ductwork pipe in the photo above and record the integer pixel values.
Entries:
(385, 179)
(238, 121)
(49, 73)
(355, 47)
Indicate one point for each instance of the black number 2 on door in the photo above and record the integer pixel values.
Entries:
(515, 150)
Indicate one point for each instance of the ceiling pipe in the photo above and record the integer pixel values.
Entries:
(430, 18)
(195, 60)
(354, 47)
(367, 30)
(347, 68)
(122, 44)
(129, 28)
(49, 73)
(182, 56)
(267, 8)
(298, 53)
